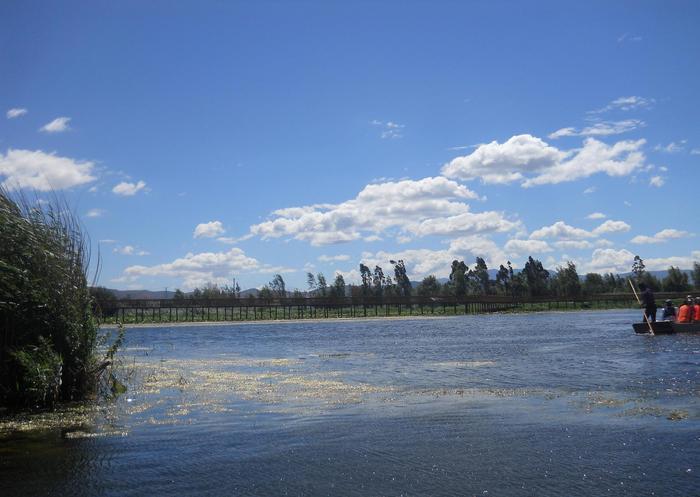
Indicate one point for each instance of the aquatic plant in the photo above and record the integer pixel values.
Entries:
(47, 330)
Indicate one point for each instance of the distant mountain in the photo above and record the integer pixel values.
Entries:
(161, 294)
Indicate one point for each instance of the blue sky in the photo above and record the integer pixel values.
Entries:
(201, 141)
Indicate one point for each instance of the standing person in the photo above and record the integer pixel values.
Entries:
(669, 311)
(648, 302)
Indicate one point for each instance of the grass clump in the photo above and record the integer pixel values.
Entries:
(47, 331)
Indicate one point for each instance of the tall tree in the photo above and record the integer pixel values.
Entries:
(322, 285)
(366, 276)
(593, 284)
(265, 293)
(566, 281)
(378, 281)
(429, 287)
(311, 281)
(179, 295)
(458, 278)
(338, 289)
(278, 287)
(503, 278)
(481, 276)
(401, 278)
(638, 268)
(676, 280)
(536, 276)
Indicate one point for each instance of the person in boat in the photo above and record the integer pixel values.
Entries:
(685, 311)
(669, 311)
(648, 302)
(696, 310)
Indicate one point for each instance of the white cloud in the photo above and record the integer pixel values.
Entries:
(127, 189)
(695, 151)
(672, 148)
(573, 244)
(198, 269)
(561, 230)
(129, 250)
(606, 260)
(331, 258)
(611, 226)
(58, 125)
(95, 213)
(531, 161)
(15, 112)
(424, 262)
(430, 206)
(661, 237)
(661, 263)
(209, 230)
(43, 172)
(625, 104)
(596, 215)
(389, 129)
(527, 247)
(603, 128)
(657, 181)
(590, 189)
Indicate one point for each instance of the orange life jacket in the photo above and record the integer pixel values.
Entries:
(696, 317)
(685, 314)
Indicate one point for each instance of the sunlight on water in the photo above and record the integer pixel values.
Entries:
(509, 405)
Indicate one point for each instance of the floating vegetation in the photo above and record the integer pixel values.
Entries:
(463, 364)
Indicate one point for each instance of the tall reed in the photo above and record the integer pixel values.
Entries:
(47, 330)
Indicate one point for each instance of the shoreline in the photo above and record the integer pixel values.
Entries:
(180, 324)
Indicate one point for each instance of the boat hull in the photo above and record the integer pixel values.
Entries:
(667, 327)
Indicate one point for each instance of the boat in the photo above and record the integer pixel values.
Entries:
(667, 327)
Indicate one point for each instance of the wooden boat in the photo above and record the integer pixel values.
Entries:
(667, 327)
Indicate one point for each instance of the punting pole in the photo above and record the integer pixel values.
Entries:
(646, 318)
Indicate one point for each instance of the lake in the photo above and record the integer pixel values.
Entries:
(489, 405)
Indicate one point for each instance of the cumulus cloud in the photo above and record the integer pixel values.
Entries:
(561, 230)
(607, 260)
(531, 161)
(611, 226)
(127, 189)
(661, 237)
(58, 125)
(423, 262)
(43, 172)
(573, 244)
(527, 247)
(430, 206)
(209, 230)
(15, 112)
(199, 269)
(603, 128)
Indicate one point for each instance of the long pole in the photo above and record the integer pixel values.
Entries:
(646, 318)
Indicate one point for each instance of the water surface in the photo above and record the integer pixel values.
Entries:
(500, 405)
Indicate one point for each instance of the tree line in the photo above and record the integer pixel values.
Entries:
(533, 280)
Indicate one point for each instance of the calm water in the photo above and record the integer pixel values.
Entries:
(539, 404)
